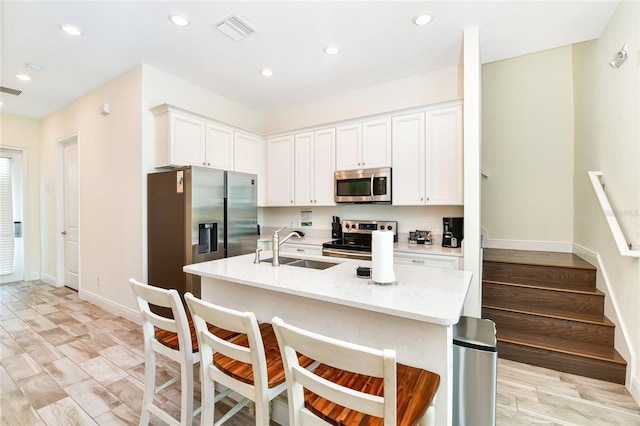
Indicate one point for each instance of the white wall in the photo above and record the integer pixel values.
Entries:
(110, 208)
(423, 89)
(527, 150)
(24, 134)
(607, 138)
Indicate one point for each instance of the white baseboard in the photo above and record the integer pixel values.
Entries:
(48, 279)
(35, 276)
(555, 246)
(108, 305)
(634, 389)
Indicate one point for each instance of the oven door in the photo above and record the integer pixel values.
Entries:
(363, 186)
(346, 254)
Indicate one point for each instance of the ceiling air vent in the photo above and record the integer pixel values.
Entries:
(235, 27)
(10, 91)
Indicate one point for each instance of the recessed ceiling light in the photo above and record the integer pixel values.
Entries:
(179, 20)
(422, 19)
(71, 29)
(331, 49)
(34, 67)
(266, 72)
(23, 77)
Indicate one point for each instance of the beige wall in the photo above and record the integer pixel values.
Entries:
(24, 134)
(607, 138)
(423, 89)
(110, 209)
(527, 149)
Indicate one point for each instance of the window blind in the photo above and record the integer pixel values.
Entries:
(6, 217)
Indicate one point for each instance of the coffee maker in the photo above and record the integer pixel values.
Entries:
(453, 231)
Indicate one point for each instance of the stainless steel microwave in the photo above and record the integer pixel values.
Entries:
(363, 186)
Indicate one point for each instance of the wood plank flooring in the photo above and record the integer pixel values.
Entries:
(64, 361)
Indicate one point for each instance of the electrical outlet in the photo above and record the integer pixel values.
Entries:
(430, 226)
(99, 281)
(296, 223)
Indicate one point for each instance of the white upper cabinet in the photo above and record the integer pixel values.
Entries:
(314, 166)
(219, 147)
(280, 167)
(408, 179)
(364, 145)
(427, 157)
(376, 143)
(180, 140)
(444, 156)
(246, 153)
(186, 139)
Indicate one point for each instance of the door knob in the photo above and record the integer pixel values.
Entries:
(64, 232)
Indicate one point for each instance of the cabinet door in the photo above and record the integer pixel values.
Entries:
(444, 172)
(445, 262)
(280, 171)
(304, 169)
(219, 147)
(376, 143)
(246, 153)
(186, 140)
(324, 166)
(408, 160)
(349, 147)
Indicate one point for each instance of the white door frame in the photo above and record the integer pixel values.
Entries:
(60, 207)
(23, 181)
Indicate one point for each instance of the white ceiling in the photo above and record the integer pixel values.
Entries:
(378, 39)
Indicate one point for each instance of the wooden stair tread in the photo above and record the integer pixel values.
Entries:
(586, 317)
(574, 290)
(602, 353)
(538, 258)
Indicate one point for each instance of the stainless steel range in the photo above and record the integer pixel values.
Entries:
(356, 238)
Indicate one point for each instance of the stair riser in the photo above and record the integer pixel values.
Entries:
(548, 276)
(526, 324)
(541, 300)
(587, 367)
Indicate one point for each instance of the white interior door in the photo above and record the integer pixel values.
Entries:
(11, 216)
(70, 230)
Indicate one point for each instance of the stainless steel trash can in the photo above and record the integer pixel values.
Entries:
(475, 367)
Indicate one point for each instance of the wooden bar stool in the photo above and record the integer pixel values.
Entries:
(250, 365)
(168, 336)
(354, 385)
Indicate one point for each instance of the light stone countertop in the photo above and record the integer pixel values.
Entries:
(433, 295)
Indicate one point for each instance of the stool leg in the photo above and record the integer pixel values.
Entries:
(186, 391)
(149, 386)
(207, 396)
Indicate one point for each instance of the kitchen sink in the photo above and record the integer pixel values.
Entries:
(312, 264)
(302, 263)
(283, 260)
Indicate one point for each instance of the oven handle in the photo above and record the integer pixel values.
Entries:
(341, 253)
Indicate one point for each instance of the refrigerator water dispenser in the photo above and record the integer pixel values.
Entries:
(207, 238)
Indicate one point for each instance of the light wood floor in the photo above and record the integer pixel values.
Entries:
(64, 361)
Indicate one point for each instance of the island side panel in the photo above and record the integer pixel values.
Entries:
(417, 343)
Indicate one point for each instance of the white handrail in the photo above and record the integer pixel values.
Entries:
(614, 226)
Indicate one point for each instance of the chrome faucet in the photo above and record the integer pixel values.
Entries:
(276, 242)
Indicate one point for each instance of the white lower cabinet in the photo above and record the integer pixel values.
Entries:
(419, 259)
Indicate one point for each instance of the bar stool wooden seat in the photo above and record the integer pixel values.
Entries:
(166, 336)
(250, 365)
(354, 384)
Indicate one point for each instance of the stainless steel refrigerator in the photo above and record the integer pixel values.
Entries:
(195, 215)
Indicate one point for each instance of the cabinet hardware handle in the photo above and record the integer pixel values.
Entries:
(417, 261)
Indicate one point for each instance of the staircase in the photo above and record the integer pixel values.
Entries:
(549, 313)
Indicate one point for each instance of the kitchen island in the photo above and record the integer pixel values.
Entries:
(414, 317)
